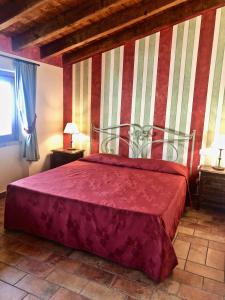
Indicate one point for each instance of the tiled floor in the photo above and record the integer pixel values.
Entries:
(32, 268)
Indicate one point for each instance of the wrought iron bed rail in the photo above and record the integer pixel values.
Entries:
(140, 137)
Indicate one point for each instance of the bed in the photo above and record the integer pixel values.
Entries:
(126, 210)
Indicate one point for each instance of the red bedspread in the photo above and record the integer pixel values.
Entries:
(126, 210)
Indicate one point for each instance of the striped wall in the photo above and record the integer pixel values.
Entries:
(184, 50)
(81, 103)
(144, 81)
(111, 89)
(215, 107)
(174, 78)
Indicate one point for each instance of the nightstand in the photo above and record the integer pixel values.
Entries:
(61, 157)
(211, 187)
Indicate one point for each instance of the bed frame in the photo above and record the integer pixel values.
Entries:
(139, 138)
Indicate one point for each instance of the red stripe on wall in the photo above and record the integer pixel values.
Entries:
(96, 99)
(67, 102)
(201, 83)
(127, 86)
(162, 88)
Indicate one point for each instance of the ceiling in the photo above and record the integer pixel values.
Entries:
(77, 29)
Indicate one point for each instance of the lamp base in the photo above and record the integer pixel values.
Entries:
(218, 168)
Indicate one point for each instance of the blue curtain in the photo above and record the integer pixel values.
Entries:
(25, 90)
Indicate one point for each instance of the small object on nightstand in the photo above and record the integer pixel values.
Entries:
(211, 187)
(61, 157)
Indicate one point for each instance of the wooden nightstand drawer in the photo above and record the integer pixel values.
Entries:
(211, 196)
(212, 187)
(61, 157)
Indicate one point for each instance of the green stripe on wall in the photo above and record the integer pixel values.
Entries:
(216, 80)
(187, 84)
(180, 91)
(112, 68)
(81, 103)
(144, 83)
(215, 108)
(150, 78)
(175, 85)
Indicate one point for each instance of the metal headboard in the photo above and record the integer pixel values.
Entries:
(140, 137)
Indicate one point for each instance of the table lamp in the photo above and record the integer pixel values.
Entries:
(72, 129)
(219, 143)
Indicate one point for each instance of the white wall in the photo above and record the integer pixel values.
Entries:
(12, 166)
(49, 128)
(49, 114)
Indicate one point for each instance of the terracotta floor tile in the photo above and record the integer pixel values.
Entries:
(138, 276)
(181, 263)
(54, 258)
(181, 248)
(95, 291)
(53, 246)
(214, 287)
(217, 245)
(203, 228)
(9, 257)
(9, 274)
(204, 271)
(192, 239)
(132, 288)
(185, 229)
(210, 236)
(86, 257)
(113, 267)
(197, 254)
(9, 292)
(219, 229)
(210, 223)
(38, 253)
(95, 274)
(190, 293)
(199, 215)
(160, 295)
(215, 259)
(68, 265)
(63, 294)
(169, 286)
(40, 269)
(13, 233)
(69, 281)
(187, 278)
(29, 238)
(7, 241)
(38, 287)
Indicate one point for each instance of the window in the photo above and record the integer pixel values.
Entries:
(8, 116)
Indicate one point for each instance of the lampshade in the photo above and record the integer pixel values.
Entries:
(71, 128)
(219, 142)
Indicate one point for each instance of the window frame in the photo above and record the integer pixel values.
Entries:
(10, 76)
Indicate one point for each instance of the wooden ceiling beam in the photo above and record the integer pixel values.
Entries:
(115, 22)
(12, 11)
(154, 24)
(125, 18)
(63, 22)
